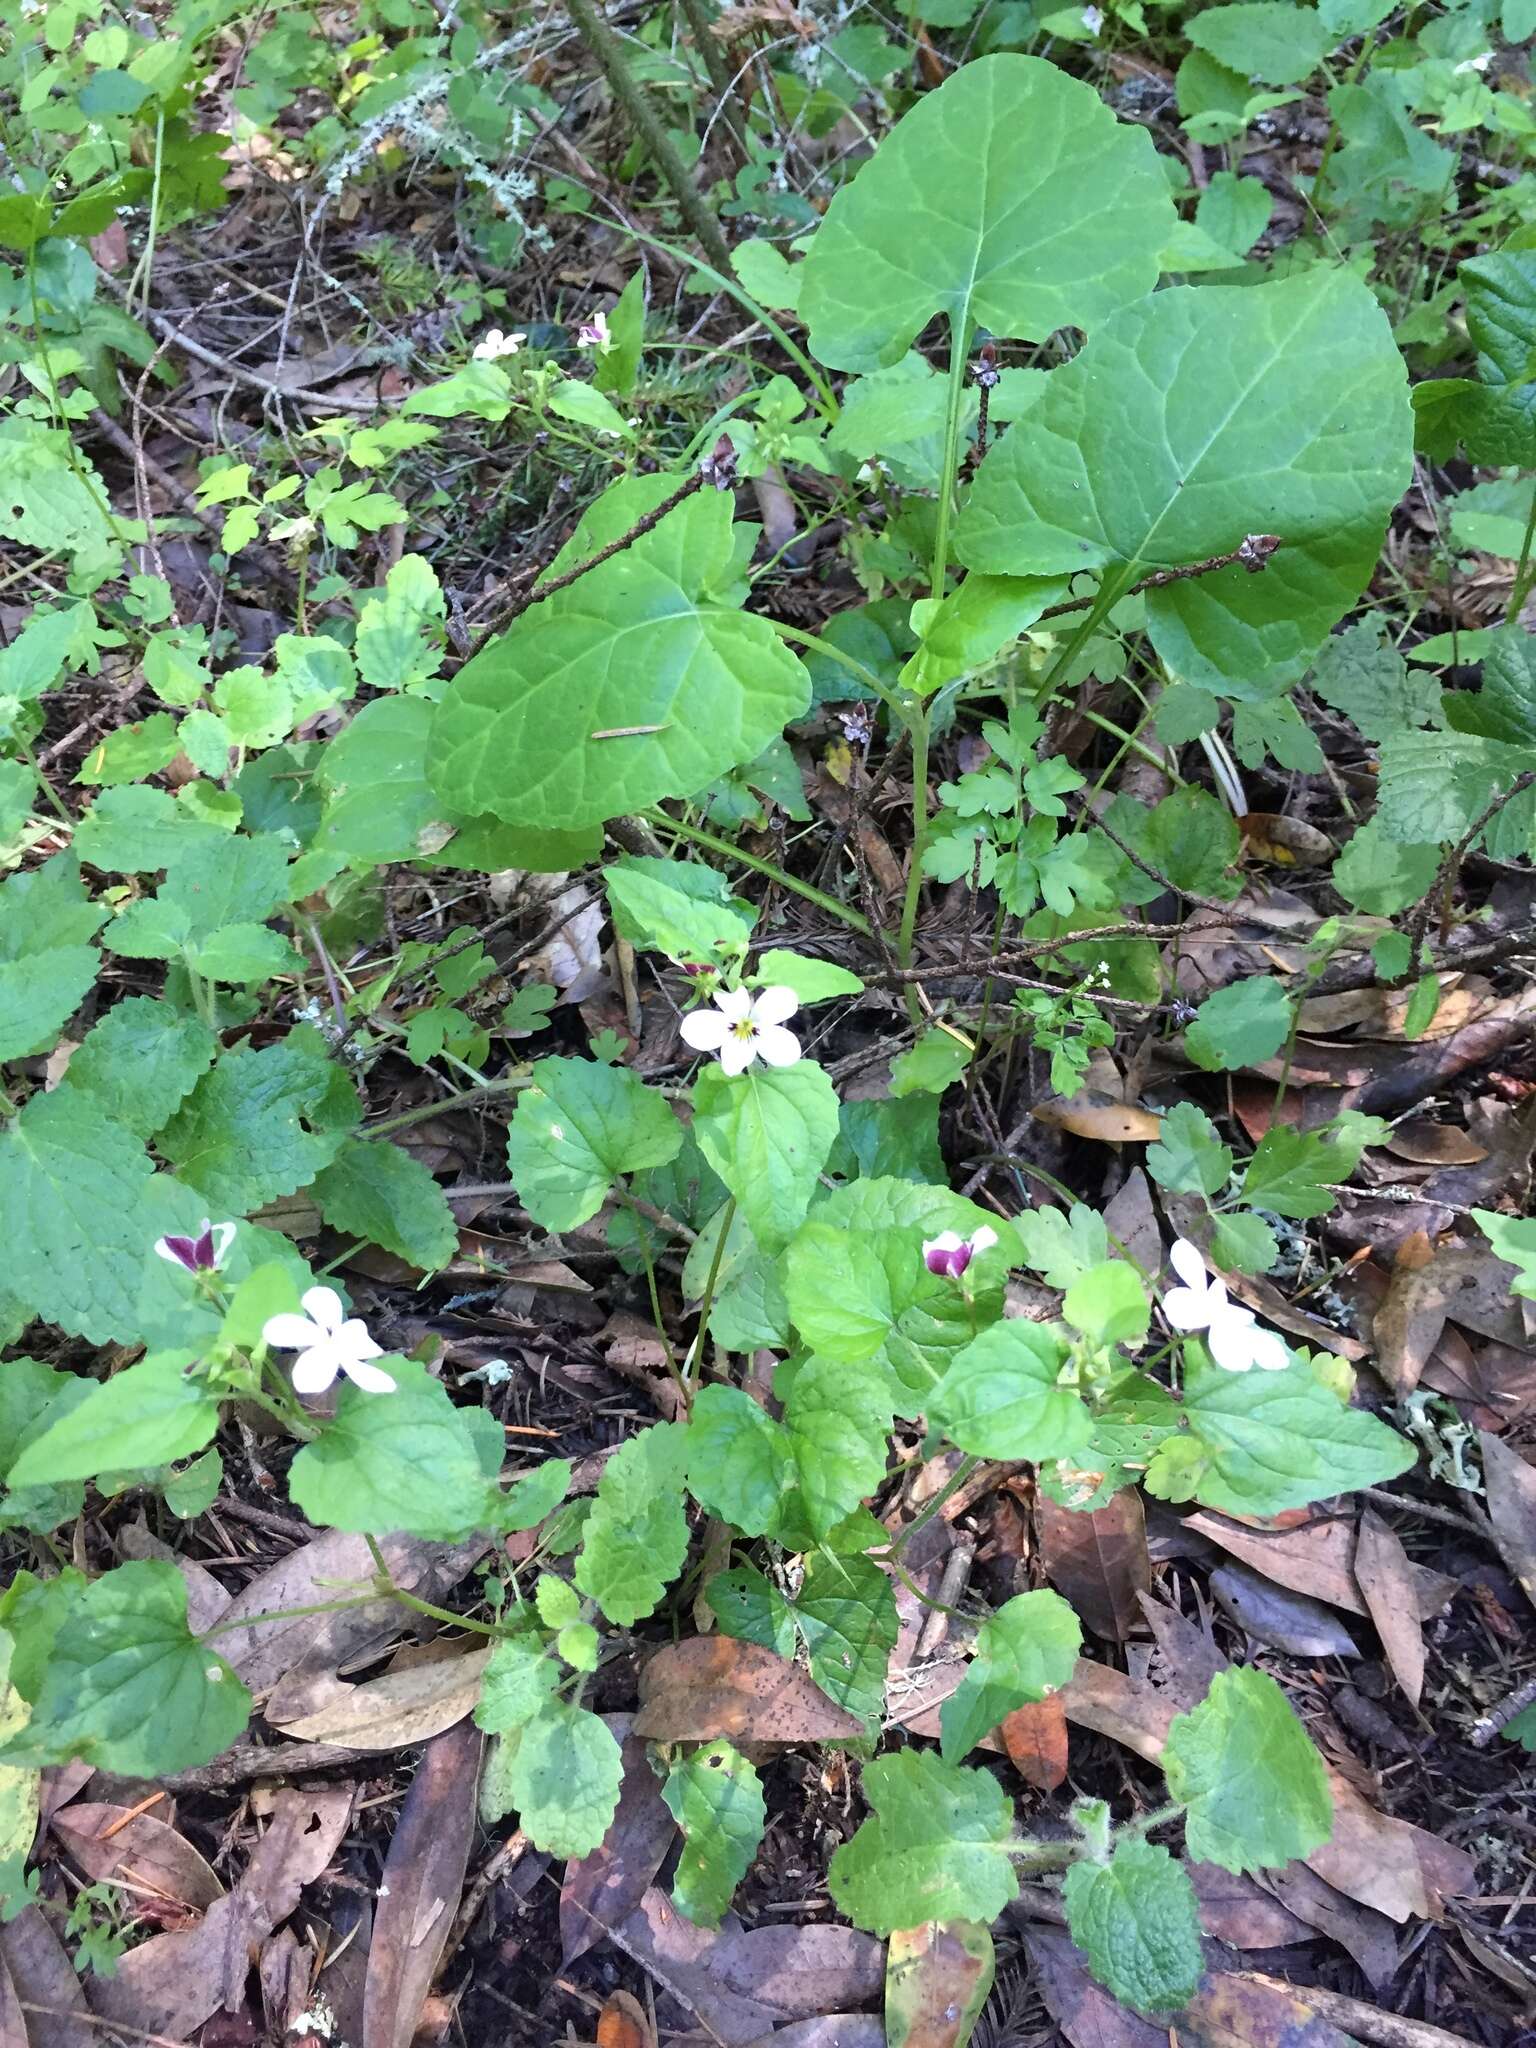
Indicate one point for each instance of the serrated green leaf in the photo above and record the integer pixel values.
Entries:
(564, 1777)
(1108, 1304)
(1254, 1788)
(636, 1536)
(262, 1123)
(858, 1286)
(739, 1458)
(934, 1847)
(1258, 1443)
(578, 1643)
(767, 1134)
(751, 1608)
(1433, 785)
(71, 1195)
(38, 997)
(518, 1680)
(124, 1682)
(1000, 1398)
(46, 962)
(579, 1125)
(1299, 425)
(556, 1601)
(1243, 1244)
(149, 1414)
(1010, 198)
(140, 1063)
(378, 1192)
(649, 639)
(1137, 1920)
(846, 1612)
(716, 1798)
(1377, 875)
(1269, 42)
(935, 1063)
(1189, 1157)
(535, 1496)
(404, 1462)
(1062, 1247)
(33, 1397)
(1293, 1172)
(1191, 837)
(1365, 677)
(1241, 1024)
(678, 908)
(1027, 1650)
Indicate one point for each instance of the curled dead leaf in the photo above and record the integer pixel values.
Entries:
(1107, 1123)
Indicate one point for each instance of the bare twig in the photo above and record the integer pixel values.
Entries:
(1253, 551)
(1498, 1718)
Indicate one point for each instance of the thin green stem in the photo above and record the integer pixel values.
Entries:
(1523, 570)
(952, 1485)
(221, 1628)
(643, 1240)
(1159, 1817)
(54, 801)
(908, 929)
(906, 1578)
(899, 707)
(806, 890)
(424, 1112)
(386, 1585)
(950, 460)
(706, 1306)
(825, 399)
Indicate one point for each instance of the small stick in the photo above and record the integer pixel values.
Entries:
(1498, 1718)
(1253, 551)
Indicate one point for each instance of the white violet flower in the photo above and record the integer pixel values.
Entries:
(1093, 20)
(1232, 1334)
(949, 1253)
(328, 1342)
(742, 1028)
(201, 1254)
(496, 344)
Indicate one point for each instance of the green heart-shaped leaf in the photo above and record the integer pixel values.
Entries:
(1190, 421)
(1011, 198)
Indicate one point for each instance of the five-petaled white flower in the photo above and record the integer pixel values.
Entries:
(201, 1254)
(594, 333)
(1232, 1335)
(496, 344)
(328, 1341)
(742, 1028)
(949, 1253)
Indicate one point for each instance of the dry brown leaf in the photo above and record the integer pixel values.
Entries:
(1426, 1071)
(682, 1957)
(139, 1850)
(1239, 1911)
(39, 1973)
(799, 1971)
(327, 1565)
(936, 1978)
(1098, 1561)
(831, 2030)
(423, 1881)
(1407, 1325)
(410, 1704)
(171, 1984)
(13, 2021)
(624, 2023)
(604, 1888)
(1286, 1620)
(715, 1685)
(1087, 2014)
(1384, 1574)
(1108, 1123)
(1365, 1935)
(1315, 1556)
(1285, 842)
(1511, 1487)
(1426, 1143)
(1235, 2010)
(1035, 1737)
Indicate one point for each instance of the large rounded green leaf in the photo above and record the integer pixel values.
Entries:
(641, 681)
(1189, 421)
(1010, 198)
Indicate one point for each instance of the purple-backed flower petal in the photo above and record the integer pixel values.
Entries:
(181, 1251)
